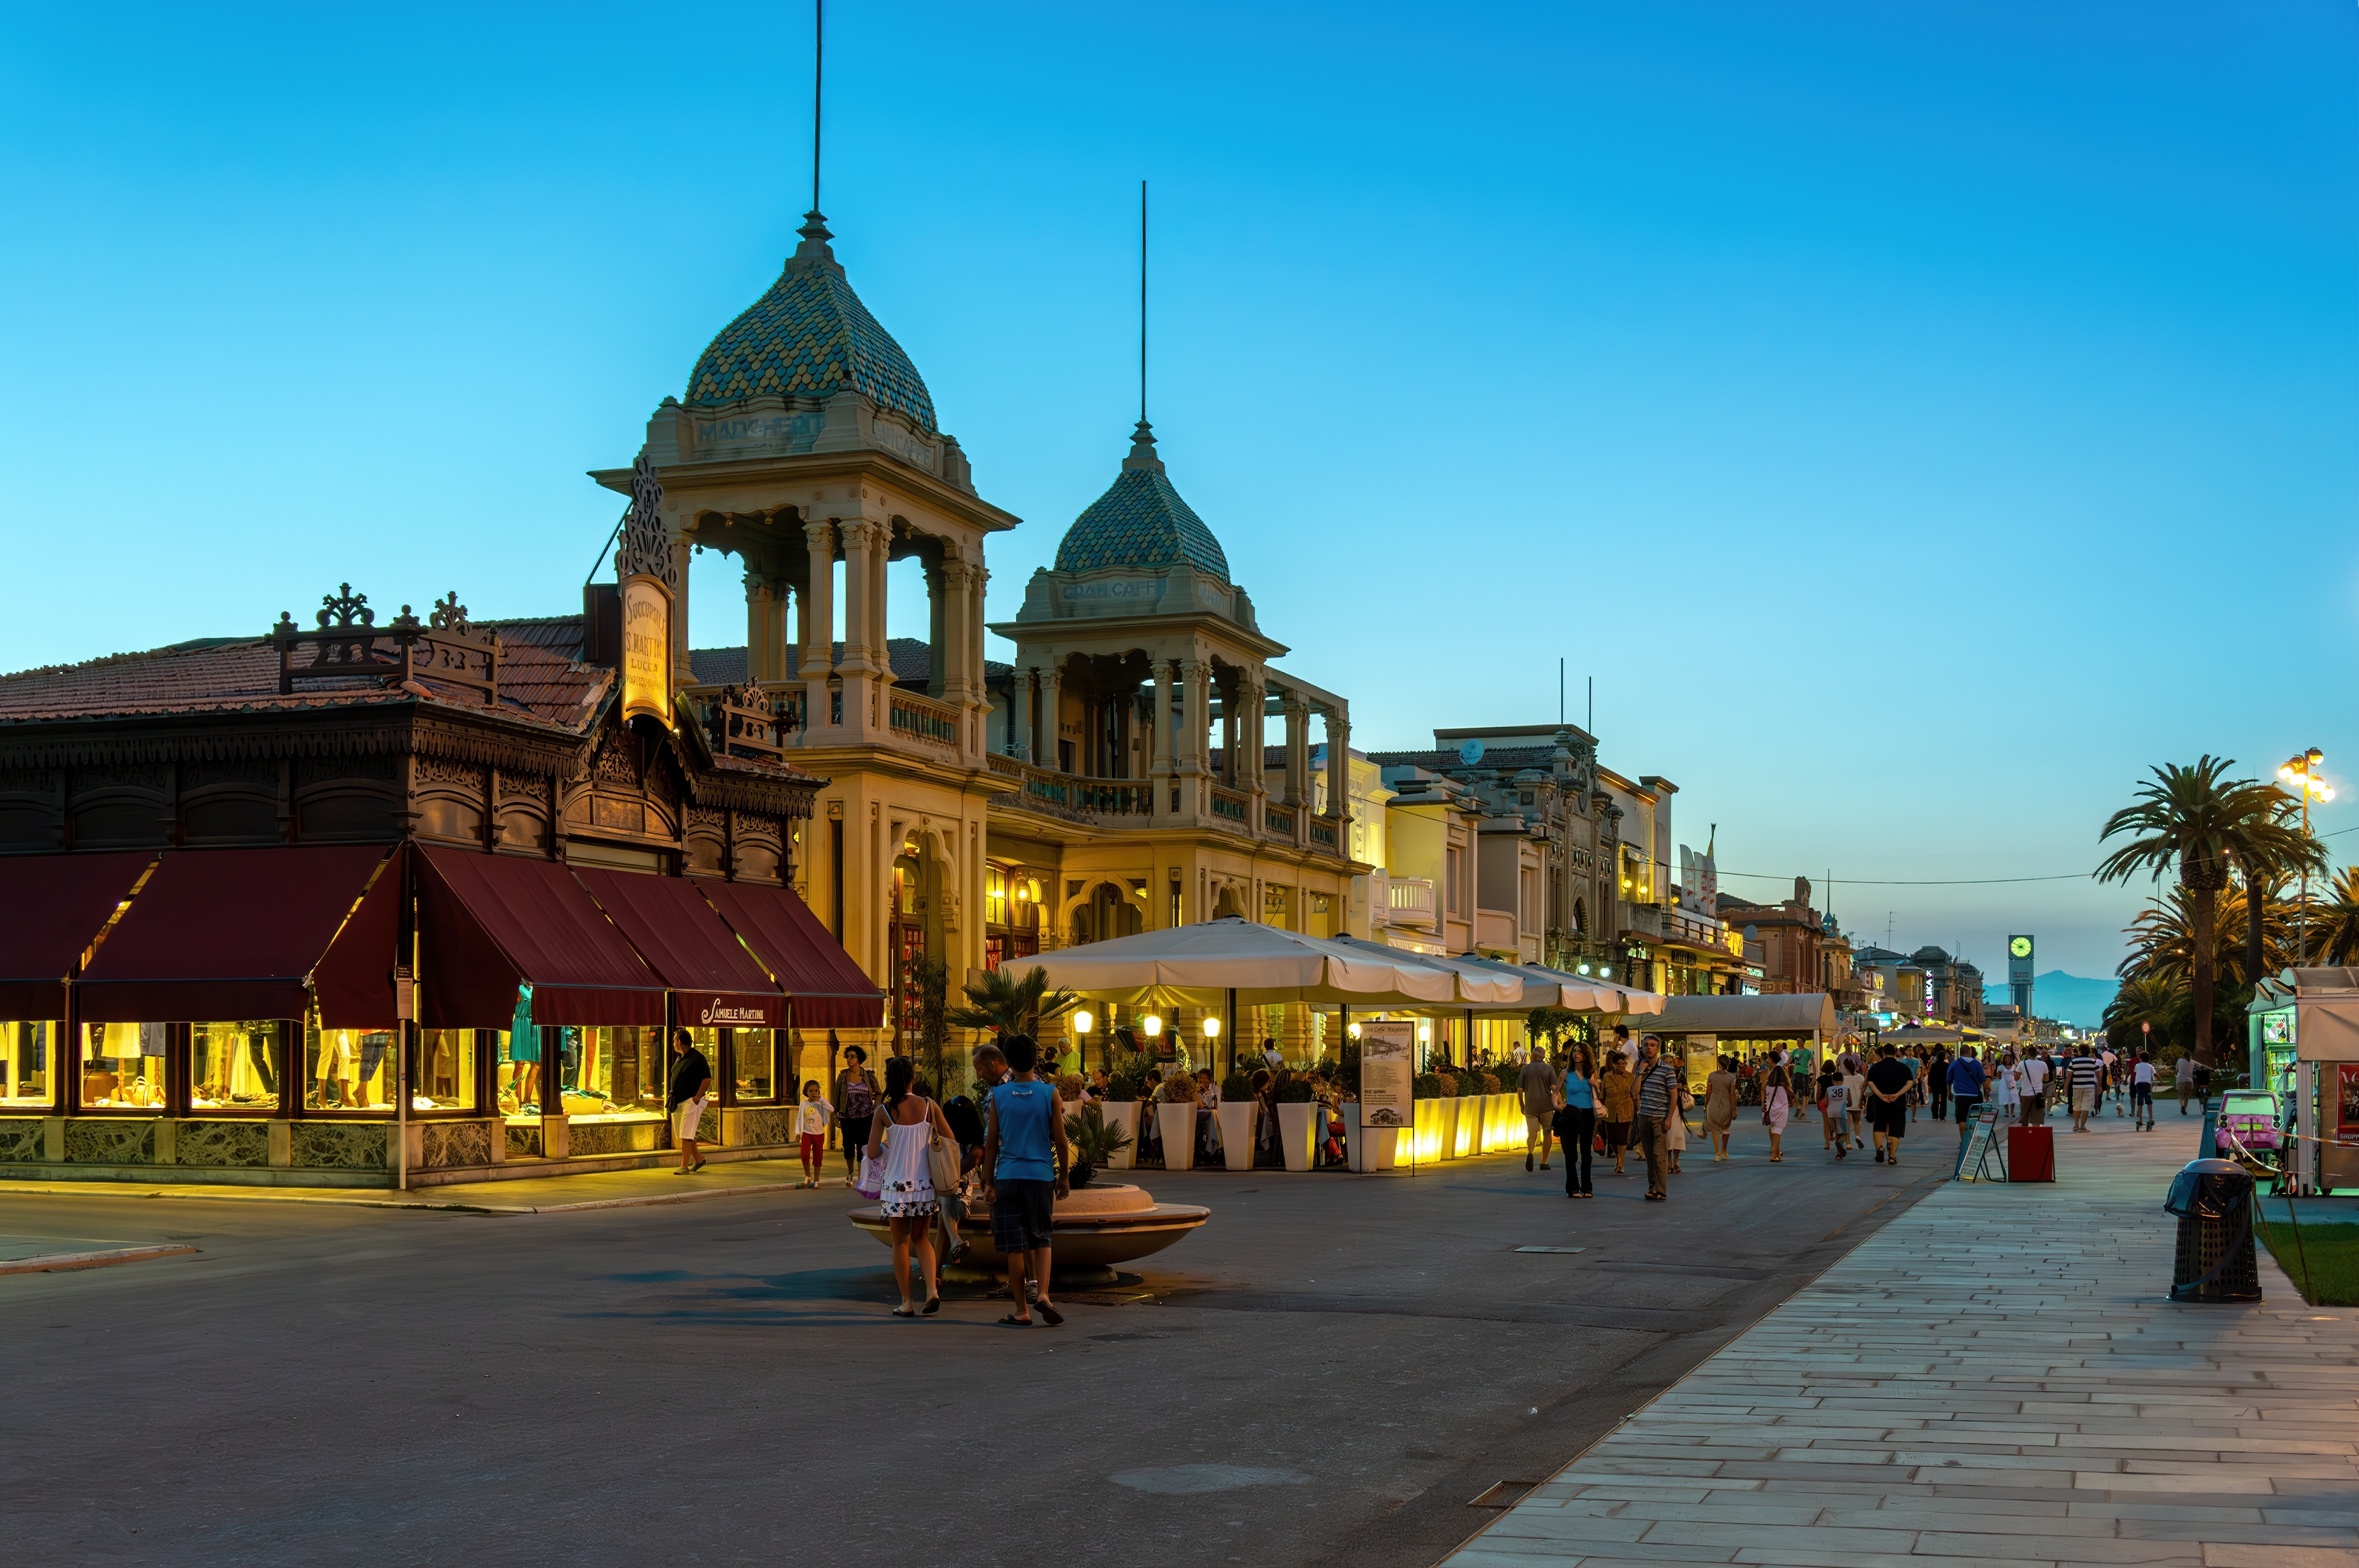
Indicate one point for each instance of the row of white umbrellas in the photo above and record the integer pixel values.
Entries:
(1264, 963)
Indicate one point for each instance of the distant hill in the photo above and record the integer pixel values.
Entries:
(2057, 995)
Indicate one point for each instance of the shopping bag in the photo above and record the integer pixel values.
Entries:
(872, 1178)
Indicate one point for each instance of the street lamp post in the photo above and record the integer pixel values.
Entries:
(2299, 775)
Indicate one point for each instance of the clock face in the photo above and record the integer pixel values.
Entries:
(2020, 947)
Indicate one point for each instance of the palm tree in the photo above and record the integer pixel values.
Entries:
(2337, 918)
(2195, 821)
(2154, 999)
(2162, 938)
(1004, 1005)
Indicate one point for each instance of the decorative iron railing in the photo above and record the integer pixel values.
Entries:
(1231, 806)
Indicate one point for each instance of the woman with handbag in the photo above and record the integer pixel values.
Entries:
(910, 1139)
(1777, 1105)
(1577, 1121)
(1720, 1107)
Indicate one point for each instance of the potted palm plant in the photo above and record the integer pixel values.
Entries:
(1005, 1004)
(1095, 1143)
(1125, 1086)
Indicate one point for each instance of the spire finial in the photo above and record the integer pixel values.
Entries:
(818, 78)
(1142, 449)
(1142, 304)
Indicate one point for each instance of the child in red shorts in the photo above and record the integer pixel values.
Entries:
(812, 1118)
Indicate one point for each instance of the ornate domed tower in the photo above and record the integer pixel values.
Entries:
(806, 437)
(1129, 652)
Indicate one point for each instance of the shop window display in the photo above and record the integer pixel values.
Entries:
(517, 1076)
(347, 1070)
(25, 1053)
(446, 1071)
(755, 1057)
(610, 1073)
(236, 1066)
(123, 1067)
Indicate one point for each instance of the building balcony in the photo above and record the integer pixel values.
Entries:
(1409, 901)
(1119, 803)
(1642, 922)
(1495, 931)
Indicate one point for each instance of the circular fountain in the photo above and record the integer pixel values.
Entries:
(1096, 1229)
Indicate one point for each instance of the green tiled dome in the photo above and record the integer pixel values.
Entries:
(1141, 520)
(809, 336)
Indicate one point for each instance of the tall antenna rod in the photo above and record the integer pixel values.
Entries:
(1142, 301)
(819, 76)
(1560, 693)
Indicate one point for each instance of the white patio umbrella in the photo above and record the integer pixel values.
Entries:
(1260, 963)
(1481, 983)
(1548, 987)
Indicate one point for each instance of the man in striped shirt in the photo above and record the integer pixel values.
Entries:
(2080, 1077)
(1659, 1092)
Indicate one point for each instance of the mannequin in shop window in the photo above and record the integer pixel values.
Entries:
(524, 1056)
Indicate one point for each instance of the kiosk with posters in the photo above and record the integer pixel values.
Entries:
(2304, 1047)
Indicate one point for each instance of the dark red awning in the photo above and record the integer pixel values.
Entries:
(828, 990)
(708, 969)
(489, 923)
(51, 907)
(240, 933)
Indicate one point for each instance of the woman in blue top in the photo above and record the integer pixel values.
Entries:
(1577, 1123)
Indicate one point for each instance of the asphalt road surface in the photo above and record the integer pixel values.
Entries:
(1327, 1374)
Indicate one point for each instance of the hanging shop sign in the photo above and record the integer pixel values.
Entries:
(648, 569)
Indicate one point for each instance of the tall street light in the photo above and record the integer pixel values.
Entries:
(2299, 775)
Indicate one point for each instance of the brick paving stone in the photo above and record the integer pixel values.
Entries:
(1997, 1377)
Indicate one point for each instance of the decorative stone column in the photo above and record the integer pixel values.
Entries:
(1159, 741)
(1297, 709)
(1196, 708)
(1338, 759)
(762, 616)
(1052, 715)
(818, 659)
(863, 549)
(1022, 745)
(1254, 697)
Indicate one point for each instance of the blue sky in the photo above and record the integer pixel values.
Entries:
(1917, 419)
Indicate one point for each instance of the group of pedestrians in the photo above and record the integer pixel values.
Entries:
(1634, 1097)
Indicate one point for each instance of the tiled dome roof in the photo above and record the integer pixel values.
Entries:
(1141, 520)
(806, 338)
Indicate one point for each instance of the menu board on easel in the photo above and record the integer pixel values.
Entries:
(1980, 1144)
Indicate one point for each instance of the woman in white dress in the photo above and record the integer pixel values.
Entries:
(900, 1136)
(2010, 1086)
(1777, 1105)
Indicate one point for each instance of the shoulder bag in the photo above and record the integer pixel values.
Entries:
(943, 1160)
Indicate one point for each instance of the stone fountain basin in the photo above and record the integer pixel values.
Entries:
(1101, 1225)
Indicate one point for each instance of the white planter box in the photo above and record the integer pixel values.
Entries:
(1177, 1126)
(1367, 1147)
(1122, 1114)
(1431, 1133)
(1296, 1126)
(1237, 1119)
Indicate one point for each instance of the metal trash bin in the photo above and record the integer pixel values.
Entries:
(2215, 1261)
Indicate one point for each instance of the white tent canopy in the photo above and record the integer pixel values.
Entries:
(1260, 963)
(1809, 1013)
(1546, 987)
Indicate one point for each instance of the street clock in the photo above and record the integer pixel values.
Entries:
(2018, 974)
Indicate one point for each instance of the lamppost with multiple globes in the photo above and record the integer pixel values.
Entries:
(2299, 775)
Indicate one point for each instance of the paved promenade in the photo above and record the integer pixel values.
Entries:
(1995, 1377)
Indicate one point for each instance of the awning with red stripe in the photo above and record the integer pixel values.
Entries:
(219, 934)
(825, 987)
(52, 907)
(490, 923)
(713, 979)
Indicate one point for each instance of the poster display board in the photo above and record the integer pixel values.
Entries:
(1384, 1075)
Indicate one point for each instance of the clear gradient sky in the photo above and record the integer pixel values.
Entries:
(1918, 419)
